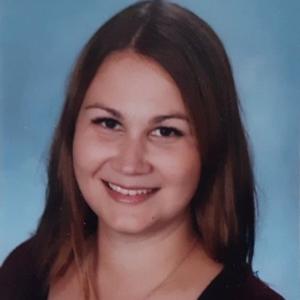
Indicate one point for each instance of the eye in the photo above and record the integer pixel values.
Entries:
(167, 132)
(108, 123)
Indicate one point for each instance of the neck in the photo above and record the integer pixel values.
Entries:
(131, 251)
(127, 258)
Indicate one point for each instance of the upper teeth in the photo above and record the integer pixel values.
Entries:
(128, 192)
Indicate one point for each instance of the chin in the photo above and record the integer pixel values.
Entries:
(128, 226)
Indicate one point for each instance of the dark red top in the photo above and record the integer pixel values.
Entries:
(18, 281)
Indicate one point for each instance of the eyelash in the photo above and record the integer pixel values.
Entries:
(172, 132)
(101, 121)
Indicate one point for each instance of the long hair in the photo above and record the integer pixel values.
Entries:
(223, 208)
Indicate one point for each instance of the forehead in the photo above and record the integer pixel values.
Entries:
(131, 82)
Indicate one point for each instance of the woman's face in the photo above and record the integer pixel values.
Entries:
(135, 155)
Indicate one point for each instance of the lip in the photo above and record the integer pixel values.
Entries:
(134, 199)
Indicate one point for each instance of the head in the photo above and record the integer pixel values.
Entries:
(135, 153)
(190, 53)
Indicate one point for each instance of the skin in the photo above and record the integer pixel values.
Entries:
(121, 137)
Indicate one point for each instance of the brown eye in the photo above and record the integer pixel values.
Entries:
(108, 123)
(167, 132)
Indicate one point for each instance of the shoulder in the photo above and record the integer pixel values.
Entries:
(18, 273)
(239, 283)
(259, 290)
(247, 285)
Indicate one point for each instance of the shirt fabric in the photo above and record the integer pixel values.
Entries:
(19, 281)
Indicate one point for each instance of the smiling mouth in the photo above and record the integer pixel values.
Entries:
(129, 192)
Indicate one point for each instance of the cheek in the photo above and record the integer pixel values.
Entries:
(89, 152)
(182, 165)
(83, 152)
(182, 175)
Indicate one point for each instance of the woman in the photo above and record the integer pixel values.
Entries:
(150, 186)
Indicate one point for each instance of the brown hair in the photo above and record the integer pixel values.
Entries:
(223, 208)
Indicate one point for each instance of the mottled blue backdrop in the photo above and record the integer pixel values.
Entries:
(39, 42)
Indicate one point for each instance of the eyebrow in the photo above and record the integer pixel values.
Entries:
(112, 111)
(156, 119)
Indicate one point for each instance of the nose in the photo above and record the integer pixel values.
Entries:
(131, 158)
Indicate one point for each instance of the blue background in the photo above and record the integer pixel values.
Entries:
(39, 43)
